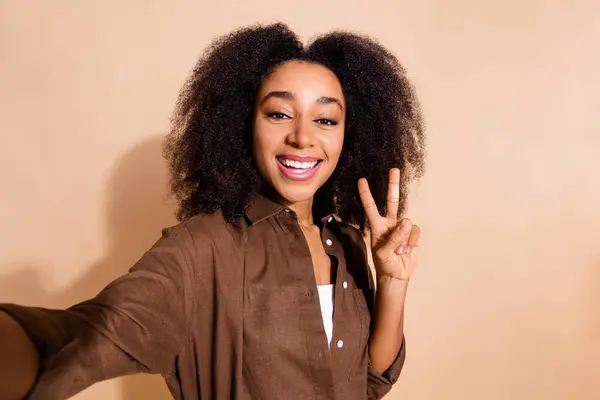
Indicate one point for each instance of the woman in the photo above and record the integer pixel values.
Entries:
(278, 154)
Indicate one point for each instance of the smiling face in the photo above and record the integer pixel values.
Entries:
(298, 129)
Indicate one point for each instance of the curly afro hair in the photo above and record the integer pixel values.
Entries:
(209, 147)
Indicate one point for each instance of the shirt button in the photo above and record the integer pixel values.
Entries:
(330, 219)
(329, 242)
(345, 285)
(290, 212)
(340, 344)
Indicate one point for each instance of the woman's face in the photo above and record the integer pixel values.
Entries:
(298, 129)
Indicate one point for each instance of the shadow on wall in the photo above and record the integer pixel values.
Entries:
(137, 210)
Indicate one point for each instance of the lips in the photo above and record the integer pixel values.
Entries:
(298, 168)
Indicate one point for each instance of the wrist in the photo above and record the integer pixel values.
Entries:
(391, 284)
(387, 279)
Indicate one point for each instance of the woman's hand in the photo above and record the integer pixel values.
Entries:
(19, 360)
(394, 243)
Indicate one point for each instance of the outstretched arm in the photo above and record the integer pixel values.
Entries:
(136, 324)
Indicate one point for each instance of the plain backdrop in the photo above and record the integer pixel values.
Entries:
(506, 300)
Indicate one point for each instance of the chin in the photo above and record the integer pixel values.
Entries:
(290, 195)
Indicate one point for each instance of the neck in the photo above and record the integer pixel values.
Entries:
(303, 212)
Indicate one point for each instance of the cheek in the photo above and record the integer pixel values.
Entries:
(263, 146)
(334, 144)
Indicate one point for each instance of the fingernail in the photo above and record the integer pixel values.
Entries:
(400, 250)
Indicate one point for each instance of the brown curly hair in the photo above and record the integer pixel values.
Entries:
(209, 147)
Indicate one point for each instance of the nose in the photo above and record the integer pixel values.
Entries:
(302, 136)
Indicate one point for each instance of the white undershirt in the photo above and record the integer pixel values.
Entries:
(326, 298)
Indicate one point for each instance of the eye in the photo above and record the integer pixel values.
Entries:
(277, 116)
(325, 121)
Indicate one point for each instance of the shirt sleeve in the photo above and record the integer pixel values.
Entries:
(137, 323)
(378, 385)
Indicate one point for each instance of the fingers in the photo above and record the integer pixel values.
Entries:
(404, 238)
(393, 194)
(367, 200)
(413, 239)
(398, 238)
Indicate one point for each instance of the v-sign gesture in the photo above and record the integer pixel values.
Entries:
(394, 243)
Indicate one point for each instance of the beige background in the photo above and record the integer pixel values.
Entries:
(506, 302)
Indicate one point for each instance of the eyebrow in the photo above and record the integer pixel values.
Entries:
(286, 95)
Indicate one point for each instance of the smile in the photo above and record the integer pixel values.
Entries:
(298, 168)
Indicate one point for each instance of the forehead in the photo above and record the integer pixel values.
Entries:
(302, 76)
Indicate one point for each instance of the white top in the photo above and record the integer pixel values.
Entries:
(326, 298)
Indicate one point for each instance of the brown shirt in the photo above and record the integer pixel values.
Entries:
(222, 312)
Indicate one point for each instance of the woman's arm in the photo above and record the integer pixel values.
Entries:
(137, 324)
(394, 247)
(19, 360)
(387, 332)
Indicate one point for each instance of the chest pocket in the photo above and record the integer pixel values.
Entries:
(275, 355)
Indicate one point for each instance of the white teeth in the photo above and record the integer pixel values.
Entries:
(298, 164)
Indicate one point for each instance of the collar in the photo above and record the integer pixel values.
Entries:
(262, 207)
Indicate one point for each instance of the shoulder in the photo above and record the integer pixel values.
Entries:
(204, 246)
(205, 231)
